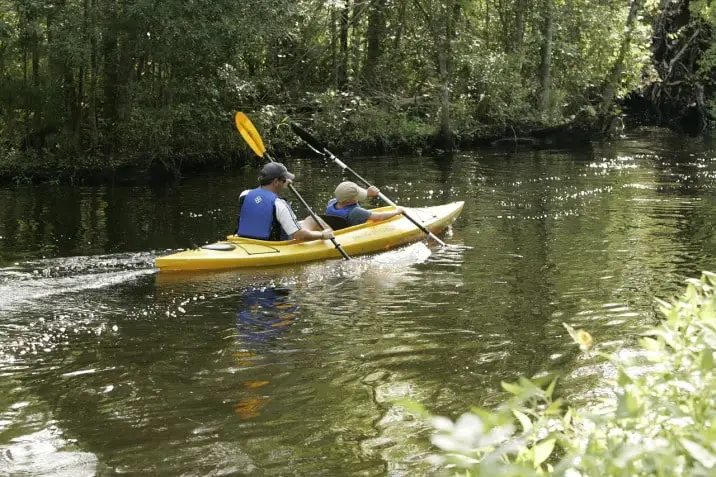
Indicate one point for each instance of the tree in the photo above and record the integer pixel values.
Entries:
(441, 19)
(546, 56)
(612, 82)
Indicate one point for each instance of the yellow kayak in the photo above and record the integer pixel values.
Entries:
(237, 252)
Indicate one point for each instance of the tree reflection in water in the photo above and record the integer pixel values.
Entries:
(265, 313)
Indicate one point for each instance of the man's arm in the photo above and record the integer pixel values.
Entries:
(286, 218)
(290, 225)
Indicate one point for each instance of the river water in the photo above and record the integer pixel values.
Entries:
(108, 367)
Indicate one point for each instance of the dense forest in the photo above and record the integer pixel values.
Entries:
(101, 85)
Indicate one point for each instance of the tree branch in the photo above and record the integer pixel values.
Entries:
(681, 53)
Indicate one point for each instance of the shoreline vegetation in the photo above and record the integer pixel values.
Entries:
(656, 419)
(96, 90)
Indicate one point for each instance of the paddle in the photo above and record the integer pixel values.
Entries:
(320, 149)
(253, 139)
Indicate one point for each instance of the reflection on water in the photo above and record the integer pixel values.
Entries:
(264, 315)
(107, 367)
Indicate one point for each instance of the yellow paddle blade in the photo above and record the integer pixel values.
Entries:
(249, 133)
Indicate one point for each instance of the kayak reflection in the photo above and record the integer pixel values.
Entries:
(265, 313)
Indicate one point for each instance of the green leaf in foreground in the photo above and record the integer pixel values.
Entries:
(660, 420)
(542, 451)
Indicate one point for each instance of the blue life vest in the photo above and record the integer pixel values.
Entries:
(333, 210)
(257, 216)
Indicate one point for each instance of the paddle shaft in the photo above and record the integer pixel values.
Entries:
(345, 167)
(310, 211)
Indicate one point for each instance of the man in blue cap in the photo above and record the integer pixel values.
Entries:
(264, 215)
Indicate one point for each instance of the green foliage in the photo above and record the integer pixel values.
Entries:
(349, 120)
(661, 419)
(148, 82)
(705, 11)
(494, 88)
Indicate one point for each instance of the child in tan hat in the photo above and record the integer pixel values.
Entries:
(346, 204)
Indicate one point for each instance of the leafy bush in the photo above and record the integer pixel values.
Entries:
(494, 88)
(661, 419)
(352, 121)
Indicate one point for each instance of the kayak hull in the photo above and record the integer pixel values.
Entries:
(239, 252)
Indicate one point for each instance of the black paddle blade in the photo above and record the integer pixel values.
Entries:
(306, 136)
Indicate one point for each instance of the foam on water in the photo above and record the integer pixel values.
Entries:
(27, 282)
(41, 453)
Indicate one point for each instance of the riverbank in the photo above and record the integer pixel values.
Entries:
(354, 136)
(18, 167)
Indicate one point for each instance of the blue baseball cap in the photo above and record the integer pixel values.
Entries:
(275, 170)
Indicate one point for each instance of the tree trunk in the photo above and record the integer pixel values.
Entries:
(519, 34)
(22, 20)
(35, 58)
(357, 37)
(92, 114)
(401, 21)
(441, 21)
(344, 30)
(110, 55)
(503, 25)
(518, 40)
(35, 52)
(60, 71)
(546, 60)
(612, 82)
(375, 36)
(445, 69)
(125, 70)
(334, 49)
(487, 23)
(445, 139)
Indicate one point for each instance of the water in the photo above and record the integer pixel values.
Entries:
(110, 368)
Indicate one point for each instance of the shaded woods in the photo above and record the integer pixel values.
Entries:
(94, 86)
